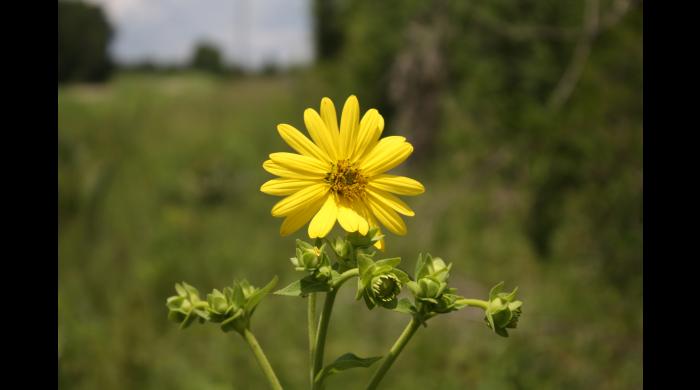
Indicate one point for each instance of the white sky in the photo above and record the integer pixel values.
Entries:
(249, 32)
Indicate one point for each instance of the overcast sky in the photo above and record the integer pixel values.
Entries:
(249, 32)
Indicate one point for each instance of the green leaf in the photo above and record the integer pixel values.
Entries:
(346, 361)
(258, 295)
(403, 277)
(364, 264)
(304, 286)
(405, 306)
(391, 262)
(238, 296)
(495, 290)
(180, 290)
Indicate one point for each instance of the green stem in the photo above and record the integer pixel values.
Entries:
(394, 352)
(311, 317)
(262, 359)
(322, 331)
(344, 277)
(474, 302)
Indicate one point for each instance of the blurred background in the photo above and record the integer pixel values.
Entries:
(526, 118)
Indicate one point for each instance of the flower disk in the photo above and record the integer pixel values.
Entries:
(339, 174)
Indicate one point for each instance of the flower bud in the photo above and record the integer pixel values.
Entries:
(503, 311)
(385, 287)
(433, 267)
(186, 306)
(219, 306)
(365, 241)
(342, 247)
(379, 282)
(309, 257)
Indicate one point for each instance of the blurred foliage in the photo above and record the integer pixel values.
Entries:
(328, 28)
(84, 34)
(207, 58)
(159, 178)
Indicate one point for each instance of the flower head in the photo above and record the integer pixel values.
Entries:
(339, 174)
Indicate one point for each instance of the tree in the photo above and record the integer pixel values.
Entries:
(84, 34)
(207, 58)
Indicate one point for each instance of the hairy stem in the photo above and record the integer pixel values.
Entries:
(322, 331)
(344, 277)
(311, 317)
(262, 359)
(394, 352)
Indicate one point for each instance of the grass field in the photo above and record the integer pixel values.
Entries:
(159, 182)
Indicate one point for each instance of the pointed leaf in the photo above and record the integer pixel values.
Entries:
(346, 361)
(392, 262)
(405, 306)
(258, 295)
(495, 290)
(304, 286)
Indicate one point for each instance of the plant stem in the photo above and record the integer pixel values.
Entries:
(475, 303)
(311, 317)
(262, 359)
(344, 277)
(394, 352)
(321, 335)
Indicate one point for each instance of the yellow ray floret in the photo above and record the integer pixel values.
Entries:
(340, 174)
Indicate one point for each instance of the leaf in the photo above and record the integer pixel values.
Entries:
(403, 277)
(495, 290)
(238, 296)
(405, 306)
(258, 295)
(364, 265)
(304, 286)
(344, 362)
(392, 262)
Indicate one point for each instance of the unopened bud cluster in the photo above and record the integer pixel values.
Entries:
(232, 308)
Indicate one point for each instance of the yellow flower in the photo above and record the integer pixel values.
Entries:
(340, 176)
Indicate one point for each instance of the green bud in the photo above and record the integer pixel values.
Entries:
(309, 257)
(385, 287)
(503, 310)
(379, 282)
(434, 267)
(219, 305)
(342, 248)
(186, 307)
(365, 241)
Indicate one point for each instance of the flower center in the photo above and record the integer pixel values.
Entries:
(386, 287)
(346, 180)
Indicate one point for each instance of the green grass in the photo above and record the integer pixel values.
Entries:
(159, 182)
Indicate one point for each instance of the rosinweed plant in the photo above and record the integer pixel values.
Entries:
(339, 175)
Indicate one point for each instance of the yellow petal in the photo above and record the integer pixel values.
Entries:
(324, 220)
(349, 124)
(364, 215)
(401, 185)
(319, 133)
(296, 220)
(369, 130)
(330, 118)
(351, 218)
(284, 187)
(298, 141)
(390, 200)
(300, 199)
(300, 163)
(387, 154)
(276, 169)
(387, 217)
